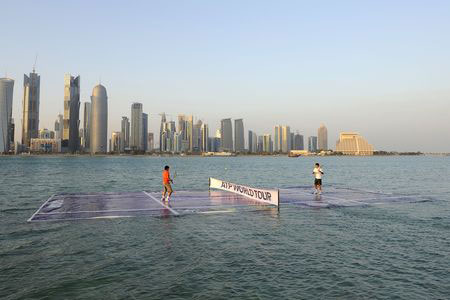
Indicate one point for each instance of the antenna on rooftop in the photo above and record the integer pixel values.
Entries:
(35, 61)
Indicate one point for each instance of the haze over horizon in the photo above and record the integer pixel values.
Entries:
(381, 69)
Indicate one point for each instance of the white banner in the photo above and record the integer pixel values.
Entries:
(266, 196)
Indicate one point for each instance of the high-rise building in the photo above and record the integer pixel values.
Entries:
(298, 142)
(86, 127)
(12, 128)
(239, 140)
(285, 139)
(6, 122)
(351, 143)
(322, 138)
(144, 132)
(197, 136)
(136, 127)
(226, 134)
(99, 120)
(267, 143)
(251, 141)
(71, 139)
(115, 143)
(204, 138)
(151, 142)
(312, 144)
(59, 127)
(260, 147)
(161, 130)
(31, 101)
(278, 138)
(125, 131)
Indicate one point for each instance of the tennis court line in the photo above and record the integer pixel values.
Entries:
(97, 211)
(162, 204)
(51, 197)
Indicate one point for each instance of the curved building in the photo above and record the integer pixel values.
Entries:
(99, 120)
(6, 98)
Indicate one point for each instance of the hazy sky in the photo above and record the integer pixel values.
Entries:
(381, 68)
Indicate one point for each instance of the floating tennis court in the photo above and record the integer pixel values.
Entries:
(223, 197)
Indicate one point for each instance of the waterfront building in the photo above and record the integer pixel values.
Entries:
(39, 145)
(161, 131)
(197, 136)
(285, 139)
(115, 143)
(239, 141)
(151, 142)
(71, 139)
(267, 144)
(312, 144)
(322, 138)
(298, 142)
(144, 132)
(99, 120)
(205, 147)
(125, 131)
(6, 121)
(12, 127)
(260, 147)
(31, 101)
(226, 134)
(86, 142)
(59, 127)
(252, 142)
(278, 138)
(351, 143)
(136, 127)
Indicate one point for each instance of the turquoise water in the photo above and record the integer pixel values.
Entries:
(391, 251)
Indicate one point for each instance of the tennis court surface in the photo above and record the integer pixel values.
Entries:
(223, 197)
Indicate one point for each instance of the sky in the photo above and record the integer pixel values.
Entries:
(380, 68)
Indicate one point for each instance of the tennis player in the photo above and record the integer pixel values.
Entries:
(317, 172)
(167, 188)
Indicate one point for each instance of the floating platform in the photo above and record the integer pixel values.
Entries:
(65, 207)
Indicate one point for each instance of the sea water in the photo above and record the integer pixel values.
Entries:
(394, 250)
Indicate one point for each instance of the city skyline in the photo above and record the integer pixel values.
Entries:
(377, 72)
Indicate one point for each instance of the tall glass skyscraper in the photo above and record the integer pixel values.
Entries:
(136, 127)
(6, 100)
(99, 120)
(87, 126)
(144, 132)
(226, 135)
(31, 101)
(71, 138)
(125, 132)
(239, 141)
(322, 138)
(312, 143)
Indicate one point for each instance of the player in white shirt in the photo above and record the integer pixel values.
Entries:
(317, 172)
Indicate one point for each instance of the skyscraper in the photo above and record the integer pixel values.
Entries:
(226, 135)
(267, 143)
(204, 138)
(71, 138)
(312, 143)
(6, 123)
(115, 143)
(87, 126)
(322, 138)
(239, 141)
(99, 120)
(144, 132)
(161, 130)
(151, 142)
(125, 131)
(136, 127)
(298, 142)
(250, 141)
(31, 100)
(277, 138)
(285, 139)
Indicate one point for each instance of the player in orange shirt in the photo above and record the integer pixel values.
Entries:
(167, 188)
